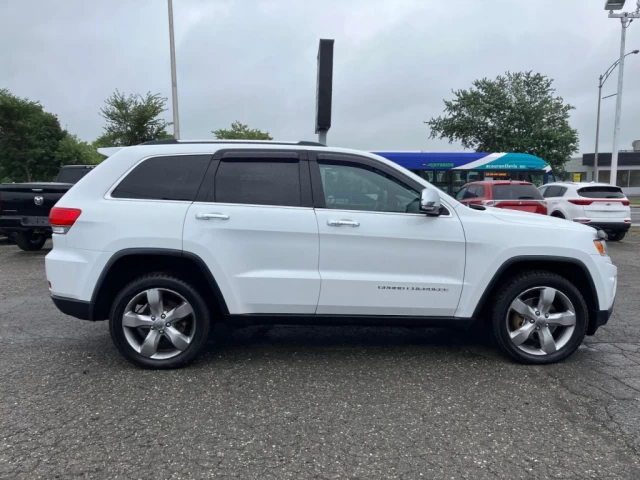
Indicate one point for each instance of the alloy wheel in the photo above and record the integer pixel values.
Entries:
(159, 323)
(541, 320)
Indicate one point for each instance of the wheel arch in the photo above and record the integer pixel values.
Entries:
(570, 268)
(128, 264)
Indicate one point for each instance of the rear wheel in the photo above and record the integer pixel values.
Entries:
(539, 317)
(616, 236)
(159, 321)
(30, 241)
(557, 215)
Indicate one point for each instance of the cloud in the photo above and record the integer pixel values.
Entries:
(255, 61)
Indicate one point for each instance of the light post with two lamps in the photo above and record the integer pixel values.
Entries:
(602, 80)
(625, 19)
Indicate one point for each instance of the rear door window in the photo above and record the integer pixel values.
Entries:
(259, 182)
(164, 178)
(601, 192)
(515, 191)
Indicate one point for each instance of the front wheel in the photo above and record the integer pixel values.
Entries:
(616, 236)
(30, 241)
(539, 317)
(159, 321)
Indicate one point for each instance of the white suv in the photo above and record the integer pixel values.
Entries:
(596, 204)
(163, 239)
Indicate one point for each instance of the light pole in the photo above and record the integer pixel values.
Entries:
(625, 19)
(174, 80)
(602, 80)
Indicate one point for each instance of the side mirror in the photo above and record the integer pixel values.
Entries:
(430, 202)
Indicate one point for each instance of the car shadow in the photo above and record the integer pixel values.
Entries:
(285, 340)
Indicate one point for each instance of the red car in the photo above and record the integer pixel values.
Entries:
(511, 194)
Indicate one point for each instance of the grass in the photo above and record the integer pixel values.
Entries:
(635, 201)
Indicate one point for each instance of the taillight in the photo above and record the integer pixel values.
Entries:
(625, 203)
(62, 219)
(488, 203)
(580, 201)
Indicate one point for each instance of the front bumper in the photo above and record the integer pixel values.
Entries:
(598, 319)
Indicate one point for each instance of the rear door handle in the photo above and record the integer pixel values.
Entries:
(342, 223)
(209, 216)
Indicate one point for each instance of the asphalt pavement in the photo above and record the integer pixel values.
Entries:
(305, 403)
(635, 215)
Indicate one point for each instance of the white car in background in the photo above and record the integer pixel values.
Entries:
(595, 204)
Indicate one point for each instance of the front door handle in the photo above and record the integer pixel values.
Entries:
(209, 216)
(342, 223)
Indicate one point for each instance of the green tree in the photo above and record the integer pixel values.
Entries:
(240, 131)
(517, 112)
(133, 119)
(73, 151)
(29, 139)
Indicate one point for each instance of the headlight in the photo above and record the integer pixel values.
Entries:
(601, 246)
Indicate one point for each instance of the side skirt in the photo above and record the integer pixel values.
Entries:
(246, 320)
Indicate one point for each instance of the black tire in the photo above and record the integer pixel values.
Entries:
(30, 241)
(616, 236)
(557, 215)
(201, 315)
(513, 288)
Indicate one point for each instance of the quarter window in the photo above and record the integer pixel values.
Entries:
(356, 187)
(164, 178)
(258, 182)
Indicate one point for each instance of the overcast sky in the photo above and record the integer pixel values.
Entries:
(255, 61)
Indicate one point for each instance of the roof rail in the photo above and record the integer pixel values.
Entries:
(173, 141)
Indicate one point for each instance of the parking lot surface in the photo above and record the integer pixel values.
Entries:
(290, 402)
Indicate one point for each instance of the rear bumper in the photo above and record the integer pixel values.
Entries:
(73, 307)
(12, 223)
(610, 226)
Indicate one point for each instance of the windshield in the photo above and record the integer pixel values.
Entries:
(516, 191)
(601, 192)
(72, 175)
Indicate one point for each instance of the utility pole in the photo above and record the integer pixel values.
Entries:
(595, 157)
(174, 80)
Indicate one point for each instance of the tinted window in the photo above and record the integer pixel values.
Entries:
(515, 191)
(165, 178)
(554, 191)
(72, 175)
(479, 190)
(471, 193)
(601, 192)
(461, 193)
(259, 182)
(350, 187)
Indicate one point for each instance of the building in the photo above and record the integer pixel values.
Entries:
(580, 169)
